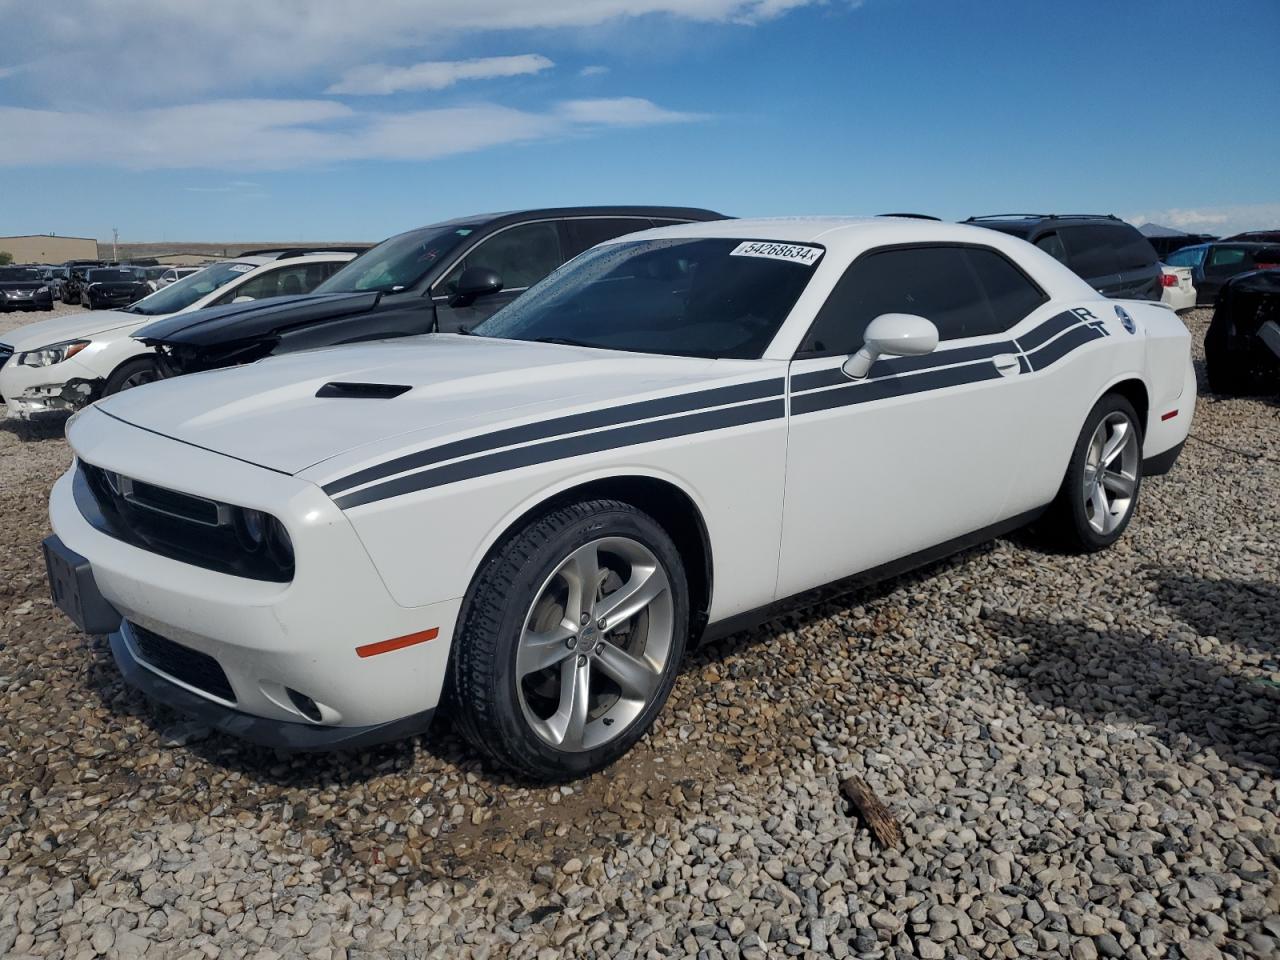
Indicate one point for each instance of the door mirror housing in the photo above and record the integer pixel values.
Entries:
(894, 335)
(475, 282)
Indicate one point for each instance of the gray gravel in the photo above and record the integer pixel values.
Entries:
(1083, 753)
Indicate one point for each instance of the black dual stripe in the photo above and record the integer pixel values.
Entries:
(896, 365)
(1062, 346)
(565, 447)
(1047, 331)
(887, 387)
(608, 417)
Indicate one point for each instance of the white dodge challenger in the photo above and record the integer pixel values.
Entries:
(666, 439)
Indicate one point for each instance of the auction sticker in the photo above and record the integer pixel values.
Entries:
(791, 252)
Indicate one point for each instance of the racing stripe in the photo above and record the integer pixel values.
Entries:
(606, 417)
(886, 387)
(1042, 334)
(833, 376)
(564, 447)
(1059, 348)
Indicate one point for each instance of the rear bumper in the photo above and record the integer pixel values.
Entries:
(265, 731)
(1162, 463)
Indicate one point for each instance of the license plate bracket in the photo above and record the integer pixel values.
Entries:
(75, 592)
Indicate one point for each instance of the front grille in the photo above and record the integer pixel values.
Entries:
(180, 526)
(192, 667)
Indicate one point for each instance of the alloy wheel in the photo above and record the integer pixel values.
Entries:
(1111, 473)
(595, 644)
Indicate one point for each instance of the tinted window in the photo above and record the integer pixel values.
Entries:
(936, 283)
(1102, 249)
(521, 255)
(584, 234)
(1009, 291)
(1189, 257)
(1228, 257)
(1051, 244)
(110, 276)
(685, 297)
(19, 274)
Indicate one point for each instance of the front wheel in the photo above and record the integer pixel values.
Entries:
(132, 374)
(1100, 490)
(570, 639)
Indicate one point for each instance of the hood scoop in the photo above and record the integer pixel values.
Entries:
(363, 391)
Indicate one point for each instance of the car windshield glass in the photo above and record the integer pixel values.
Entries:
(107, 276)
(397, 263)
(19, 275)
(183, 293)
(684, 297)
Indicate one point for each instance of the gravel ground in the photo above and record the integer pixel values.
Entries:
(1083, 753)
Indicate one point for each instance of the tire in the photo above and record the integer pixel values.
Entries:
(517, 669)
(132, 374)
(1227, 370)
(1078, 519)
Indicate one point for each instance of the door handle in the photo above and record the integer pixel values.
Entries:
(1008, 364)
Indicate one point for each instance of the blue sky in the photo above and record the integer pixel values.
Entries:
(296, 120)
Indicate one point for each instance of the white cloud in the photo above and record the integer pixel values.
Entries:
(1221, 220)
(283, 134)
(621, 112)
(99, 51)
(593, 70)
(377, 78)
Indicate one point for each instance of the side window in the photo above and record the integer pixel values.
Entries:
(1009, 291)
(1051, 244)
(586, 233)
(284, 282)
(521, 255)
(936, 283)
(1133, 250)
(1226, 261)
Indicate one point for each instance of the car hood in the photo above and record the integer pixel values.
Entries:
(235, 322)
(75, 326)
(268, 413)
(23, 284)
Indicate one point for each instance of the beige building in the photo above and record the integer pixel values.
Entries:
(43, 248)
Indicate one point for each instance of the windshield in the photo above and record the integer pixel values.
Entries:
(19, 275)
(397, 263)
(683, 297)
(106, 276)
(183, 293)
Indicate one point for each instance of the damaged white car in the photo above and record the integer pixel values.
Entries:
(66, 362)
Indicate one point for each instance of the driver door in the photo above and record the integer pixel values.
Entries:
(925, 449)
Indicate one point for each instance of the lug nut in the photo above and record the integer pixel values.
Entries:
(582, 661)
(571, 642)
(586, 618)
(602, 623)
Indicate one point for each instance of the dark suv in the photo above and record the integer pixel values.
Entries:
(441, 278)
(1112, 256)
(1213, 264)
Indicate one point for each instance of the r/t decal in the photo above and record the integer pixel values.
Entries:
(1089, 319)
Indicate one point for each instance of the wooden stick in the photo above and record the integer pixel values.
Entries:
(873, 813)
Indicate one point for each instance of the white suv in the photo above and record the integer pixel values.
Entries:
(66, 362)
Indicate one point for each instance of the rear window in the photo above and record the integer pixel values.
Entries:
(1096, 250)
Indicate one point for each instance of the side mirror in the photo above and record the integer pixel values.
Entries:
(475, 282)
(242, 299)
(895, 335)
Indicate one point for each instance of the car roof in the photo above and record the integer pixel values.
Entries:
(827, 231)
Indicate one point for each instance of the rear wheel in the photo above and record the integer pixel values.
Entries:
(570, 640)
(132, 374)
(1100, 490)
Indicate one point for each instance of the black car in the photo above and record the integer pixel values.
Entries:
(54, 278)
(75, 281)
(441, 278)
(1112, 256)
(24, 288)
(1242, 345)
(1257, 236)
(106, 287)
(1213, 264)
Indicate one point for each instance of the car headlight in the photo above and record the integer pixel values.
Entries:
(42, 290)
(54, 353)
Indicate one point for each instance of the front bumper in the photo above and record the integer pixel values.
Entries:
(41, 301)
(59, 388)
(265, 731)
(266, 638)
